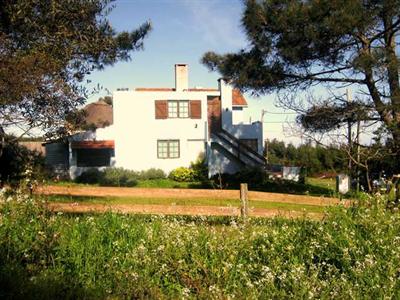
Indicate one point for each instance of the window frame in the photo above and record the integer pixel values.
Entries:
(178, 110)
(168, 142)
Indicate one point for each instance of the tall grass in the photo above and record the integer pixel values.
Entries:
(352, 253)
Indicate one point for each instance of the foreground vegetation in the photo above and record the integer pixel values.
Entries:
(352, 253)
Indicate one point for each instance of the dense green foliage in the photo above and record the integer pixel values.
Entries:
(47, 50)
(352, 253)
(295, 44)
(17, 163)
(182, 174)
(316, 159)
(198, 171)
(118, 176)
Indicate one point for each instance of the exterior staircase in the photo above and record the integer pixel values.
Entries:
(232, 147)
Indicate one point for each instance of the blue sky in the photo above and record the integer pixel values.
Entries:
(183, 30)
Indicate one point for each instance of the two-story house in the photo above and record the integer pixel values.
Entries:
(168, 128)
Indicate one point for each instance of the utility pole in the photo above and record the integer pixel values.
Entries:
(263, 112)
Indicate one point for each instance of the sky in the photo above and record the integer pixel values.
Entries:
(183, 30)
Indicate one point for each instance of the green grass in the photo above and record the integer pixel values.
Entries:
(185, 202)
(328, 183)
(313, 187)
(351, 254)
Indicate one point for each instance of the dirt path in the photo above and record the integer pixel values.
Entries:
(176, 210)
(183, 193)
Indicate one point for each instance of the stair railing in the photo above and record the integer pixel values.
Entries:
(241, 145)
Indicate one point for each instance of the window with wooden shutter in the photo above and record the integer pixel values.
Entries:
(195, 109)
(161, 109)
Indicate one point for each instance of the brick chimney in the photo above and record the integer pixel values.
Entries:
(181, 77)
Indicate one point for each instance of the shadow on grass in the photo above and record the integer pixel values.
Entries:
(17, 281)
(289, 187)
(275, 186)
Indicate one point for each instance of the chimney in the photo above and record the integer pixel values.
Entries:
(181, 77)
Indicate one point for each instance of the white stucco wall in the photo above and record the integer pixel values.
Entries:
(136, 130)
(226, 104)
(237, 115)
(218, 163)
(232, 120)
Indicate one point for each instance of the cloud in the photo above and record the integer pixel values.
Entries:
(217, 22)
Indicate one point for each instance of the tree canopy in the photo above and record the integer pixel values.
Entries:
(296, 44)
(47, 48)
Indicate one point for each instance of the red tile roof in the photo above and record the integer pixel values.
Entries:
(203, 90)
(154, 89)
(92, 144)
(172, 90)
(238, 98)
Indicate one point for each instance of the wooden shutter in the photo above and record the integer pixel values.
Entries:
(195, 109)
(161, 109)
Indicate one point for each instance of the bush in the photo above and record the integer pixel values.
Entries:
(18, 163)
(200, 169)
(254, 177)
(91, 176)
(109, 177)
(119, 177)
(151, 174)
(182, 174)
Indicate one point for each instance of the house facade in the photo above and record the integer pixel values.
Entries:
(167, 128)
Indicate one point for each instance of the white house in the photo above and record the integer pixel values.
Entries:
(167, 128)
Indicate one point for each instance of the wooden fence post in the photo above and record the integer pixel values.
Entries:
(244, 201)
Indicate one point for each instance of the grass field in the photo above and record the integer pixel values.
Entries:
(350, 254)
(184, 202)
(313, 186)
(328, 183)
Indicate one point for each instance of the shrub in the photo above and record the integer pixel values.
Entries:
(200, 169)
(151, 174)
(91, 176)
(182, 174)
(109, 177)
(119, 177)
(16, 160)
(254, 177)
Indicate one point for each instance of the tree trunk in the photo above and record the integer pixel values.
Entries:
(368, 178)
(2, 140)
(393, 67)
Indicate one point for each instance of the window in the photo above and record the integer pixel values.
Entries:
(173, 109)
(168, 149)
(178, 109)
(93, 157)
(183, 109)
